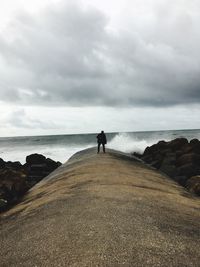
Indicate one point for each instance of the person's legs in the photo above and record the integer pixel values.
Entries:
(98, 147)
(104, 150)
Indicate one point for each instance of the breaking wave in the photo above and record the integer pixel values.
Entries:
(128, 143)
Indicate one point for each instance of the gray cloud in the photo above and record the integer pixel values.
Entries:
(19, 119)
(68, 56)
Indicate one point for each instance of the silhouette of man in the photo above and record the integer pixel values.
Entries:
(101, 140)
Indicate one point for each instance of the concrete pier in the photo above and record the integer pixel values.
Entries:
(103, 210)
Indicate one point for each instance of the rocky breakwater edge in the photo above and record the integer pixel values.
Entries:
(16, 179)
(179, 159)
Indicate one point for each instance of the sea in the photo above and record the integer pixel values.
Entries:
(62, 147)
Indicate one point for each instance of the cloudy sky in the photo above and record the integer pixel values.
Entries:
(82, 66)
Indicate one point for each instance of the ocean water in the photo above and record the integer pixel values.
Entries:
(62, 147)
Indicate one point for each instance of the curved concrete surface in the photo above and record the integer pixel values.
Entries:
(103, 210)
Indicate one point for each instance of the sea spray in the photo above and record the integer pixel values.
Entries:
(128, 143)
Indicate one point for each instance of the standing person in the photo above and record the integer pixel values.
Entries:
(101, 140)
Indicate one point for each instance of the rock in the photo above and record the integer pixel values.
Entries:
(12, 185)
(181, 179)
(147, 159)
(59, 163)
(186, 149)
(2, 163)
(3, 204)
(35, 159)
(179, 153)
(193, 185)
(168, 165)
(178, 158)
(190, 158)
(177, 143)
(51, 165)
(195, 144)
(155, 154)
(137, 155)
(166, 151)
(187, 170)
(16, 165)
(169, 169)
(154, 148)
(16, 179)
(156, 164)
(38, 167)
(162, 144)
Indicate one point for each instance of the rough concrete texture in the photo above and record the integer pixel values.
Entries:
(103, 210)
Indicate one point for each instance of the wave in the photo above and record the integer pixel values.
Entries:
(137, 142)
(61, 148)
(129, 143)
(57, 153)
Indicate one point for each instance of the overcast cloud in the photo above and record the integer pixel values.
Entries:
(72, 55)
(88, 55)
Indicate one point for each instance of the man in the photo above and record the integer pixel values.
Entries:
(101, 140)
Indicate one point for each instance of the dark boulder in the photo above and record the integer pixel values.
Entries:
(168, 165)
(3, 204)
(147, 159)
(181, 179)
(178, 158)
(59, 163)
(137, 155)
(36, 173)
(35, 159)
(12, 185)
(155, 148)
(190, 158)
(177, 143)
(51, 165)
(156, 164)
(16, 165)
(147, 151)
(2, 163)
(188, 170)
(195, 144)
(186, 149)
(179, 153)
(16, 179)
(162, 144)
(193, 185)
(170, 170)
(38, 167)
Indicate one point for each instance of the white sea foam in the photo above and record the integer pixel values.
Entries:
(128, 143)
(57, 153)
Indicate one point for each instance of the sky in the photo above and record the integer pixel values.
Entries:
(83, 66)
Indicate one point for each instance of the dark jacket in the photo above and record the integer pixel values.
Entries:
(101, 138)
